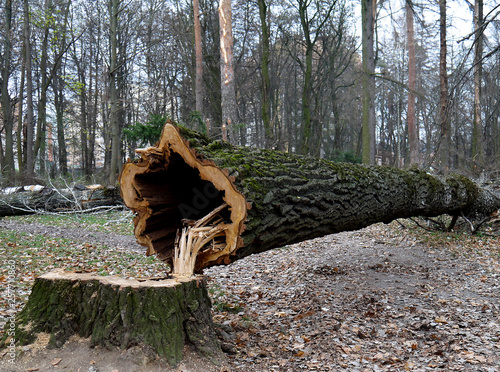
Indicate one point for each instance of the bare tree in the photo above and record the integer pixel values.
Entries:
(113, 92)
(29, 124)
(8, 168)
(312, 26)
(199, 57)
(368, 9)
(413, 137)
(444, 118)
(477, 131)
(228, 90)
(266, 81)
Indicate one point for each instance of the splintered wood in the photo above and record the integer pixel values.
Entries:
(194, 236)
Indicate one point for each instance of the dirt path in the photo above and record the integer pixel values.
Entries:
(371, 300)
(362, 301)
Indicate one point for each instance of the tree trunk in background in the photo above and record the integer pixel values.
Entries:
(305, 142)
(61, 141)
(8, 167)
(477, 130)
(82, 96)
(164, 315)
(114, 125)
(59, 93)
(444, 111)
(19, 132)
(266, 81)
(220, 203)
(228, 90)
(199, 58)
(29, 125)
(413, 130)
(368, 9)
(46, 78)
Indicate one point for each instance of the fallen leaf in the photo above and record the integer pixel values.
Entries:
(56, 361)
(409, 366)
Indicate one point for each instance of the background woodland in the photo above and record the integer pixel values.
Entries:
(85, 83)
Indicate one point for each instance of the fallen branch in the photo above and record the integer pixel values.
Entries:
(47, 200)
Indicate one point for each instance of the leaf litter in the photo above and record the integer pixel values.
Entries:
(380, 299)
(377, 299)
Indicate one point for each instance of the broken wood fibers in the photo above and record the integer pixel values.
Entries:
(190, 182)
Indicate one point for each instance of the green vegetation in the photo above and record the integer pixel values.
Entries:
(221, 302)
(117, 222)
(339, 156)
(35, 255)
(146, 134)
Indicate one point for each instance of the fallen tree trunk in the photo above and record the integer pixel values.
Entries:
(165, 315)
(218, 203)
(39, 199)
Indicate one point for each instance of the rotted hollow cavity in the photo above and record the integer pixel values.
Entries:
(169, 187)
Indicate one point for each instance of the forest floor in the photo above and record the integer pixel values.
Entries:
(385, 298)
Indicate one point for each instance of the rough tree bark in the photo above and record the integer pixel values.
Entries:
(228, 89)
(199, 58)
(164, 315)
(413, 137)
(477, 129)
(444, 110)
(202, 203)
(368, 13)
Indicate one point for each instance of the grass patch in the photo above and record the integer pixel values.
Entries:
(221, 302)
(114, 221)
(34, 255)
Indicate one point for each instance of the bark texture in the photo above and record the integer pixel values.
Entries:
(34, 199)
(114, 312)
(368, 13)
(273, 198)
(228, 84)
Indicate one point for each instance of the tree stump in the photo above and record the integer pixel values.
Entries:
(201, 202)
(114, 312)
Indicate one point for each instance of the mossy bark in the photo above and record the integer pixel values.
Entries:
(285, 198)
(162, 314)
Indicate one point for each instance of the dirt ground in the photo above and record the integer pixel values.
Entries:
(370, 300)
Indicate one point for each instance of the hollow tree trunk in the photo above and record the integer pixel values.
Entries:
(219, 203)
(164, 314)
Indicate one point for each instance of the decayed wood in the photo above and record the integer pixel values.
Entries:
(273, 198)
(164, 315)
